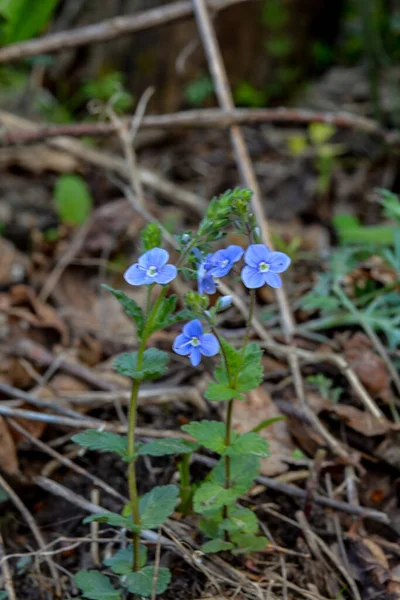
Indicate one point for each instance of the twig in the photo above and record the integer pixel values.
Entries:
(18, 413)
(105, 30)
(66, 461)
(336, 524)
(34, 528)
(296, 492)
(113, 163)
(6, 571)
(209, 118)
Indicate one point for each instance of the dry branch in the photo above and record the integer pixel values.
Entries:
(106, 30)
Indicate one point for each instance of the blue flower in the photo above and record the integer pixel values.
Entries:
(151, 268)
(223, 260)
(205, 279)
(262, 267)
(193, 342)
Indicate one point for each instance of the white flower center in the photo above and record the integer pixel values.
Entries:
(195, 342)
(224, 263)
(151, 271)
(263, 267)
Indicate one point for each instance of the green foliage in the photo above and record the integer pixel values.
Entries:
(121, 562)
(196, 302)
(199, 91)
(266, 423)
(168, 446)
(23, 18)
(156, 506)
(248, 444)
(246, 94)
(72, 199)
(151, 237)
(240, 520)
(232, 207)
(216, 545)
(326, 387)
(96, 586)
(154, 364)
(131, 308)
(105, 441)
(164, 316)
(107, 86)
(248, 542)
(390, 203)
(244, 470)
(142, 582)
(210, 496)
(210, 434)
(217, 392)
(113, 519)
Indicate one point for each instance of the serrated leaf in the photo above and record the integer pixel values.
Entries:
(154, 364)
(247, 542)
(104, 441)
(233, 357)
(241, 520)
(165, 447)
(114, 520)
(249, 444)
(142, 582)
(212, 496)
(72, 199)
(122, 561)
(96, 586)
(156, 506)
(244, 469)
(250, 378)
(216, 545)
(131, 308)
(218, 393)
(210, 434)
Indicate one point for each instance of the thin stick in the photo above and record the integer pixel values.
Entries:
(105, 30)
(66, 461)
(209, 118)
(34, 528)
(6, 571)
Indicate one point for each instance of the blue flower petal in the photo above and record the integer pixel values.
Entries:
(272, 279)
(182, 345)
(195, 356)
(206, 283)
(209, 345)
(235, 253)
(252, 278)
(256, 253)
(166, 274)
(279, 262)
(156, 257)
(193, 329)
(136, 275)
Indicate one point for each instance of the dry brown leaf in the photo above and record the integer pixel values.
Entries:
(358, 420)
(8, 452)
(14, 265)
(259, 407)
(369, 367)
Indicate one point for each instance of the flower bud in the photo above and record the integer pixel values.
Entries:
(196, 302)
(223, 303)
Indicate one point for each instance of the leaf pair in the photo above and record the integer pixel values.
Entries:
(211, 435)
(96, 586)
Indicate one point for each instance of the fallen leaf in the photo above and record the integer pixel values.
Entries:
(8, 452)
(368, 366)
(248, 414)
(14, 265)
(357, 419)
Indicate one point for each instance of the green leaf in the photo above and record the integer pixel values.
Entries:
(212, 496)
(24, 18)
(233, 356)
(210, 434)
(121, 563)
(131, 308)
(247, 542)
(164, 447)
(217, 392)
(249, 443)
(210, 525)
(266, 423)
(72, 199)
(154, 364)
(216, 545)
(105, 441)
(240, 520)
(114, 520)
(142, 582)
(156, 506)
(96, 586)
(151, 237)
(3, 595)
(244, 469)
(250, 378)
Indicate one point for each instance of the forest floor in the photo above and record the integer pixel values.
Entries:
(327, 499)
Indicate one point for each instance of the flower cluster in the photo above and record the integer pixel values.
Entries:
(262, 267)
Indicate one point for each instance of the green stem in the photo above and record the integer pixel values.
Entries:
(250, 320)
(185, 487)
